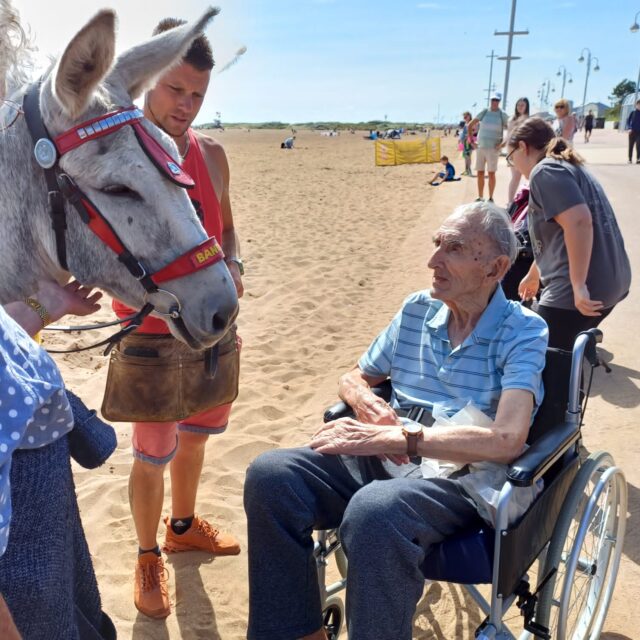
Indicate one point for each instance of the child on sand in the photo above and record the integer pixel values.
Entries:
(448, 175)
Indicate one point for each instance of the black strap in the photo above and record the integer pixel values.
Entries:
(113, 340)
(31, 108)
(211, 361)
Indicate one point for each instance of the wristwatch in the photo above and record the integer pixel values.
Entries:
(238, 261)
(412, 432)
(45, 318)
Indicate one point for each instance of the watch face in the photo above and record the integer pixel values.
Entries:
(412, 429)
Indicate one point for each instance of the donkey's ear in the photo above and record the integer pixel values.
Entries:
(85, 63)
(138, 68)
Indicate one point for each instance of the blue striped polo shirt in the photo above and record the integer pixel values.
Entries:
(506, 350)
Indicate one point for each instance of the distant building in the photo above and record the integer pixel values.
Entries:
(599, 109)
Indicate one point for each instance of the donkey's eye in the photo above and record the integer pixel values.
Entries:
(122, 191)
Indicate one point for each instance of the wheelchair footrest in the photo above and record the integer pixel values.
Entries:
(527, 602)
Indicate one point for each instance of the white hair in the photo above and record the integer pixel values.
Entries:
(15, 50)
(494, 223)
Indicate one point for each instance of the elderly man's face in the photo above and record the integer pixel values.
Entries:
(462, 262)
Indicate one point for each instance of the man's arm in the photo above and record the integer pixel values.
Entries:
(219, 174)
(354, 388)
(502, 441)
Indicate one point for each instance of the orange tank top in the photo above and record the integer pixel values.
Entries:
(207, 206)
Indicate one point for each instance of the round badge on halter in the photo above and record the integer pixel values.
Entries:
(45, 153)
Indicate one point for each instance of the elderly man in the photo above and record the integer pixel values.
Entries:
(460, 341)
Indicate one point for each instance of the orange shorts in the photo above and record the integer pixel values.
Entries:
(156, 442)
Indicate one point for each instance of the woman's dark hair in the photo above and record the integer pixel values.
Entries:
(538, 134)
(526, 113)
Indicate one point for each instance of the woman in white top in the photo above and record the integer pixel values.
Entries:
(565, 125)
(520, 115)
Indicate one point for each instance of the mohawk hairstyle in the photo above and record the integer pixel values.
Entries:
(199, 54)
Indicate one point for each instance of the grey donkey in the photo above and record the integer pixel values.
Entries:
(154, 218)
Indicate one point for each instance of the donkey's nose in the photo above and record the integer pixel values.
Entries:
(221, 322)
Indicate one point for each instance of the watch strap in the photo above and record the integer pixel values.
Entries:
(238, 261)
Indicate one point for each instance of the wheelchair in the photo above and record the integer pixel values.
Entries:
(574, 529)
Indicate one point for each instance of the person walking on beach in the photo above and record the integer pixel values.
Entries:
(633, 124)
(466, 143)
(173, 105)
(492, 123)
(520, 115)
(588, 126)
(581, 259)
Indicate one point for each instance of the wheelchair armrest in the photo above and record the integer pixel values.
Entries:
(543, 453)
(343, 410)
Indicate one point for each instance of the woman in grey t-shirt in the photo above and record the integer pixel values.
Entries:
(579, 252)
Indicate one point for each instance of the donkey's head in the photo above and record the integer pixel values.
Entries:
(152, 216)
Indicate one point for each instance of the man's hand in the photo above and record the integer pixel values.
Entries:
(350, 437)
(584, 304)
(73, 299)
(371, 409)
(234, 270)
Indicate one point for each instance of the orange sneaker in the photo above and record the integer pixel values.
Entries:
(200, 536)
(150, 592)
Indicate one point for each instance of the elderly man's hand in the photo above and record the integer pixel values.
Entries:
(372, 409)
(350, 437)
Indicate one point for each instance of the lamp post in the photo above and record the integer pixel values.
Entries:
(509, 57)
(492, 56)
(635, 27)
(586, 80)
(564, 73)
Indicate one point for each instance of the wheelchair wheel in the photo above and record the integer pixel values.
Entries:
(333, 617)
(585, 550)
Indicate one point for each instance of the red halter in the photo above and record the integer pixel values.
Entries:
(60, 186)
(200, 257)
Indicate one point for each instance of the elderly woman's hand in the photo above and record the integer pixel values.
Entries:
(73, 299)
(8, 629)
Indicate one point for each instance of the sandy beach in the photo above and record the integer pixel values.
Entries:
(332, 245)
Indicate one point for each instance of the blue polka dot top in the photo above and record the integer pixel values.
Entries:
(34, 410)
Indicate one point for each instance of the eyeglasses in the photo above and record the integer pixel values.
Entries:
(560, 107)
(508, 158)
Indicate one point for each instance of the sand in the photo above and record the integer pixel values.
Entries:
(332, 245)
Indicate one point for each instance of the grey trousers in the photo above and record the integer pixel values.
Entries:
(387, 526)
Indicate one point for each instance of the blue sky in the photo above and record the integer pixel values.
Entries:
(357, 60)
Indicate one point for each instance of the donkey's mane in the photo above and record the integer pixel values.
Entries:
(15, 51)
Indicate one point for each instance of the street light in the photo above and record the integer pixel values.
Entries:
(564, 73)
(586, 80)
(635, 27)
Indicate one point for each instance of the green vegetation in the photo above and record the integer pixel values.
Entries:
(380, 125)
(618, 94)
